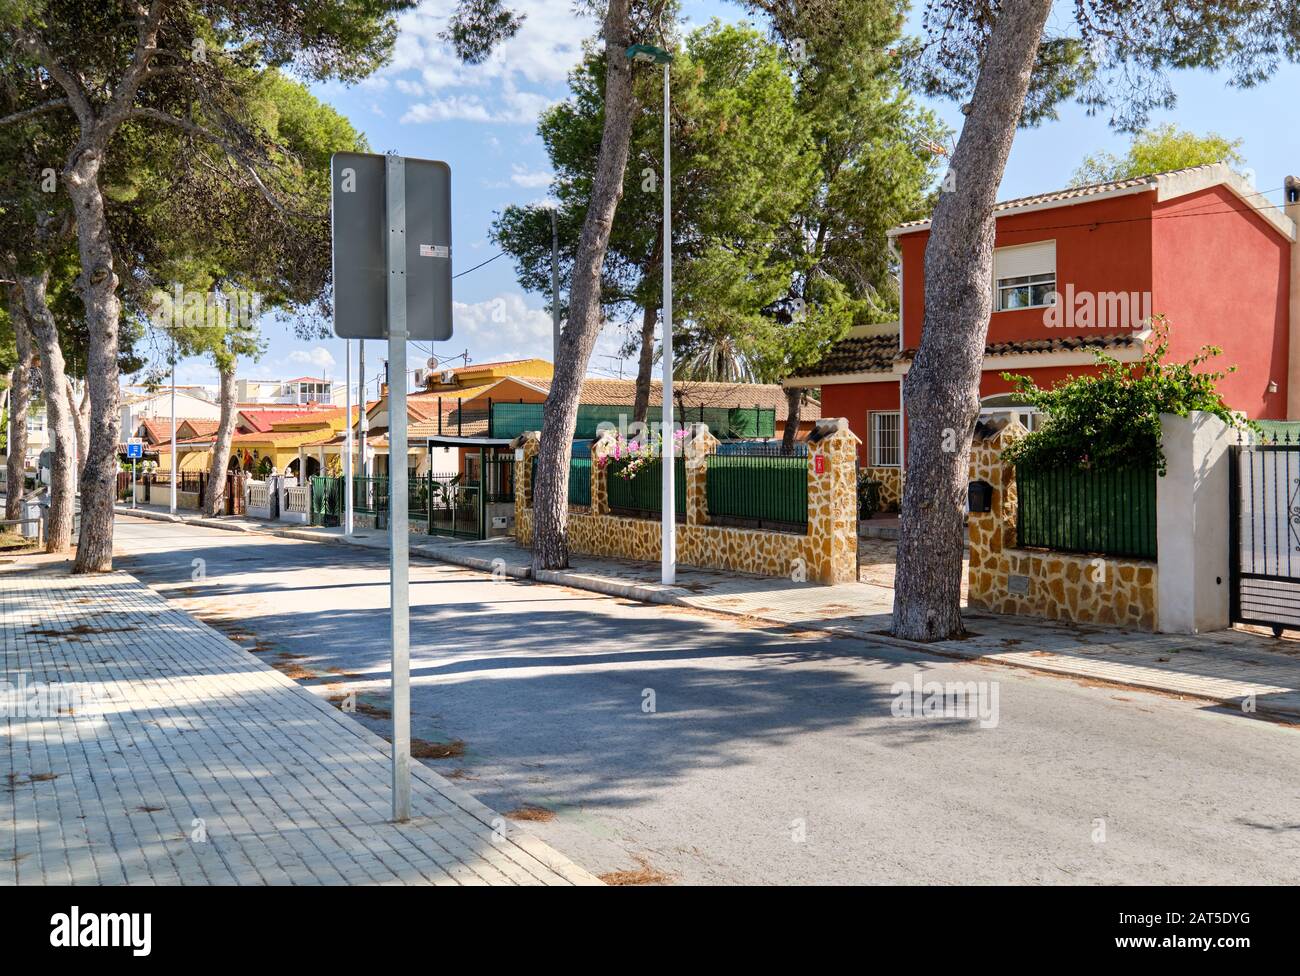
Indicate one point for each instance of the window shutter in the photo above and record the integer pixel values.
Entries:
(1028, 259)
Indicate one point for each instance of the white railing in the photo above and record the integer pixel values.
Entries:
(259, 494)
(297, 499)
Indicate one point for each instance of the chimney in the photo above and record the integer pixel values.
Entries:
(1292, 207)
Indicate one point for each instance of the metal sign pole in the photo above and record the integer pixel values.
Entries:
(133, 482)
(388, 215)
(667, 454)
(398, 529)
(171, 507)
(347, 456)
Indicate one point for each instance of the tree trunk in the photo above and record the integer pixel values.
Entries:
(560, 412)
(649, 316)
(98, 286)
(63, 482)
(793, 409)
(641, 403)
(941, 390)
(20, 398)
(80, 413)
(214, 504)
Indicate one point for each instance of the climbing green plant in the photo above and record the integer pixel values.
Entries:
(1112, 419)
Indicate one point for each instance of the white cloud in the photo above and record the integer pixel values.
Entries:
(547, 46)
(470, 108)
(513, 107)
(521, 176)
(318, 358)
(505, 327)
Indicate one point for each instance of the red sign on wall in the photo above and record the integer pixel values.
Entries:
(819, 464)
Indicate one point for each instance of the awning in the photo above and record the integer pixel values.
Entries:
(444, 440)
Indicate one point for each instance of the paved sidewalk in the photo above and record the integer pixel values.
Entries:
(192, 762)
(1229, 666)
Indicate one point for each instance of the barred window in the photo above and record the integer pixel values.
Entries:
(886, 440)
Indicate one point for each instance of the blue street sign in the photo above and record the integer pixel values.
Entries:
(134, 451)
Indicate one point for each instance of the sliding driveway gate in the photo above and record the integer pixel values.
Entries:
(1264, 535)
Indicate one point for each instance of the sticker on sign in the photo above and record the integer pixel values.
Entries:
(435, 251)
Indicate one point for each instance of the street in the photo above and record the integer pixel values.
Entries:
(683, 747)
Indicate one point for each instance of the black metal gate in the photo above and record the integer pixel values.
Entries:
(1264, 534)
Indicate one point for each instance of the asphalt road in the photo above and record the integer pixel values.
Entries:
(706, 750)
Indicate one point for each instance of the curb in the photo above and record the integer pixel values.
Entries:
(204, 521)
(213, 523)
(141, 513)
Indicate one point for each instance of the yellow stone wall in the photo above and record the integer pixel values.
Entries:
(891, 487)
(827, 553)
(1057, 585)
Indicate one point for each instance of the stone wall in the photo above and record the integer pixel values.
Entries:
(1044, 583)
(826, 553)
(891, 487)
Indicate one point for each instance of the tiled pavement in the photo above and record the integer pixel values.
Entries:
(1229, 666)
(189, 761)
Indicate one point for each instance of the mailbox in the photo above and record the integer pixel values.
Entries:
(979, 496)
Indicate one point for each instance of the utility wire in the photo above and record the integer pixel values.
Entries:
(499, 254)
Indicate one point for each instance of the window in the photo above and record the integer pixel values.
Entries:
(886, 442)
(313, 392)
(1003, 405)
(1024, 277)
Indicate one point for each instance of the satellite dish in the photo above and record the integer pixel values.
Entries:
(432, 363)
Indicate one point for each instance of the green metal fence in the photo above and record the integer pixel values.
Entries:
(369, 495)
(512, 419)
(580, 481)
(326, 500)
(763, 491)
(456, 511)
(1110, 512)
(439, 500)
(642, 495)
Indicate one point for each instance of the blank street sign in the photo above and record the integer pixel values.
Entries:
(359, 229)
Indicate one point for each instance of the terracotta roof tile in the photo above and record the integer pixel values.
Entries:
(878, 354)
(1076, 194)
(1021, 347)
(864, 354)
(263, 419)
(203, 427)
(611, 392)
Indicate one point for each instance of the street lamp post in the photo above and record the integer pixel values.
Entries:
(171, 506)
(668, 460)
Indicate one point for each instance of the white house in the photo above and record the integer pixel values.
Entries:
(38, 437)
(301, 390)
(191, 401)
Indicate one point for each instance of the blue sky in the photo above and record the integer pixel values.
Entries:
(482, 119)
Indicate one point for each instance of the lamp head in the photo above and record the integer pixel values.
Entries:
(649, 54)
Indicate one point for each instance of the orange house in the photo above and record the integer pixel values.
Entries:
(1084, 269)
